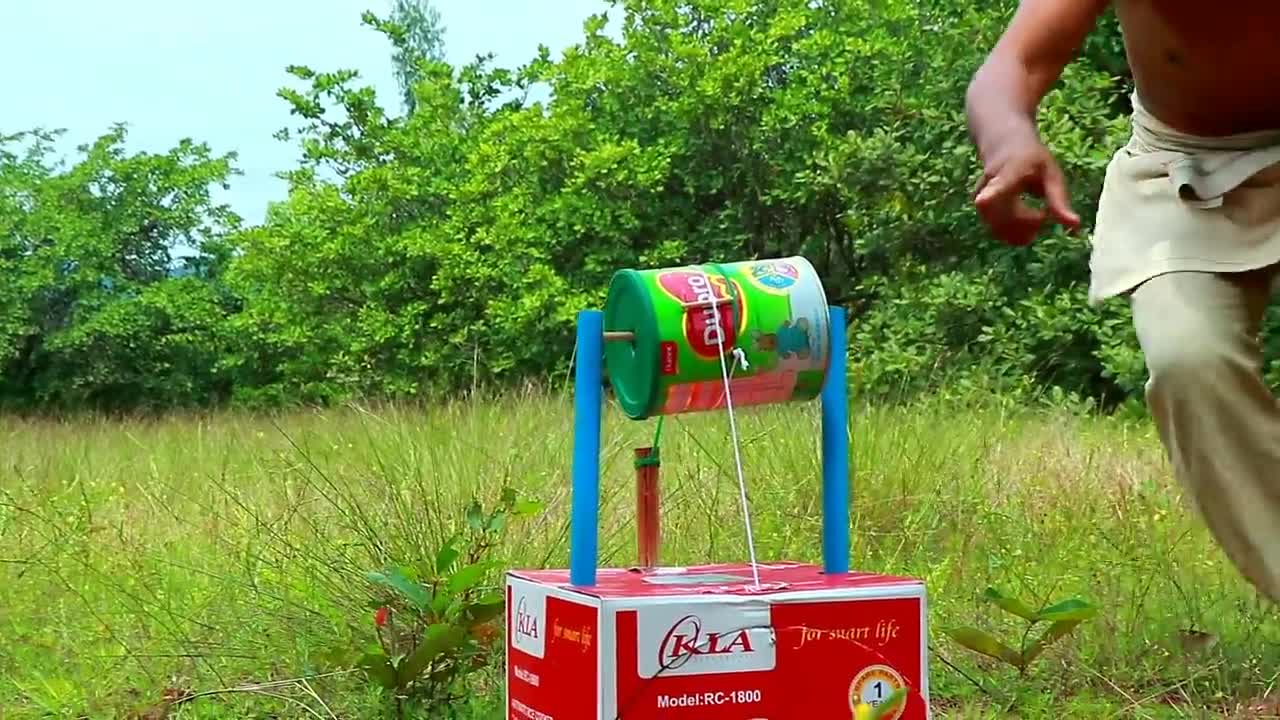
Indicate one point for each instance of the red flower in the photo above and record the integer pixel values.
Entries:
(380, 617)
(484, 633)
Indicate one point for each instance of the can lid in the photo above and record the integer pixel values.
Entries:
(633, 365)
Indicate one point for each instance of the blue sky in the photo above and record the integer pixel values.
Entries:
(210, 70)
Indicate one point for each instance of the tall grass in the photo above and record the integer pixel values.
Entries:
(206, 553)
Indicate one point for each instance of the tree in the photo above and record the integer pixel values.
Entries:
(460, 240)
(90, 314)
(417, 34)
(421, 252)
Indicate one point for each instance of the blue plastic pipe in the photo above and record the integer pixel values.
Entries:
(584, 535)
(835, 452)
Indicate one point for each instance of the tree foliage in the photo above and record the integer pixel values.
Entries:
(417, 34)
(424, 252)
(95, 308)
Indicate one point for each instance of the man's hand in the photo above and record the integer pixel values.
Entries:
(1001, 105)
(1019, 163)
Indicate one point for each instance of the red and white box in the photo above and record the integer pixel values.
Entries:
(706, 643)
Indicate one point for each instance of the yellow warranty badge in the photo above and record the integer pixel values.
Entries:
(878, 693)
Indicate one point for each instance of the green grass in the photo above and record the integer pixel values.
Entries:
(207, 553)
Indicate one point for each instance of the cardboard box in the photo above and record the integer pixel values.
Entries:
(704, 643)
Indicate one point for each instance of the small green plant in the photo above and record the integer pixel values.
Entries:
(434, 619)
(1063, 618)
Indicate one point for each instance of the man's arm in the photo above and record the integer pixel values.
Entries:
(1001, 105)
(1042, 38)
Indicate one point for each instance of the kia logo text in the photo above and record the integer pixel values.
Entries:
(685, 640)
(526, 624)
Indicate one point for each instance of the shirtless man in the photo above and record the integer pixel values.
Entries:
(1188, 227)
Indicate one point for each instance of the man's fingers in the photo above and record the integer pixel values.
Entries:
(1020, 227)
(1024, 214)
(999, 205)
(988, 191)
(998, 200)
(1055, 194)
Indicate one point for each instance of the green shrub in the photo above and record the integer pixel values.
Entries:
(450, 246)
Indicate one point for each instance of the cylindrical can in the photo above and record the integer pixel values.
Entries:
(682, 319)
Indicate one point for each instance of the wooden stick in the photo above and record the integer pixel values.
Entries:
(648, 523)
(617, 335)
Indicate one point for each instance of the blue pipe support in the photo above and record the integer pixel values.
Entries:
(835, 451)
(584, 537)
(588, 379)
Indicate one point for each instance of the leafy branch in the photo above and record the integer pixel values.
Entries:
(1062, 618)
(434, 619)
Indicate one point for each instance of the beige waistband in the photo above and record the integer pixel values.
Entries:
(1203, 169)
(1177, 202)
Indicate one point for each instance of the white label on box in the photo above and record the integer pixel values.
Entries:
(529, 618)
(704, 639)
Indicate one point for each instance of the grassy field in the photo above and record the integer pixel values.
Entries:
(221, 558)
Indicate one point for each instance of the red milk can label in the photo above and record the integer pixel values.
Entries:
(709, 327)
(669, 352)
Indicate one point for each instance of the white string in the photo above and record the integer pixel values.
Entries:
(733, 425)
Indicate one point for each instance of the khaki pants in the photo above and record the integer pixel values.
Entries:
(1219, 422)
(1189, 228)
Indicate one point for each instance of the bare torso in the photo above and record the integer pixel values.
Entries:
(1206, 67)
